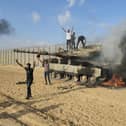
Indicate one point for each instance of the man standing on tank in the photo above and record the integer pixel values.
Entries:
(68, 38)
(73, 38)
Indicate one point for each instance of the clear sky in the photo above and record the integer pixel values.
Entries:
(39, 21)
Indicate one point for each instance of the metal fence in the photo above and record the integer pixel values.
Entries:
(8, 56)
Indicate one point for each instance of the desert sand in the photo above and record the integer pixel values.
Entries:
(64, 103)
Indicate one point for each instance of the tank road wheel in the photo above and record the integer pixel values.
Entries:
(69, 77)
(75, 78)
(62, 75)
(91, 82)
(58, 76)
(53, 74)
(84, 79)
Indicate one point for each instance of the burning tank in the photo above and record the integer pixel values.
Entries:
(82, 64)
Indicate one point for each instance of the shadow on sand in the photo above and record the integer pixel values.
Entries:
(27, 109)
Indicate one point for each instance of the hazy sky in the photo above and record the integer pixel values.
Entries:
(40, 21)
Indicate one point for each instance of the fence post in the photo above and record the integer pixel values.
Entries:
(38, 52)
(7, 56)
(49, 53)
(11, 56)
(24, 57)
(20, 57)
(14, 57)
(0, 57)
(3, 57)
(33, 55)
(28, 55)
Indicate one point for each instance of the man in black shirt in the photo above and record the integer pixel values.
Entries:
(29, 77)
(81, 39)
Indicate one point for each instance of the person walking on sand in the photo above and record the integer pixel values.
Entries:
(29, 77)
(68, 38)
(45, 64)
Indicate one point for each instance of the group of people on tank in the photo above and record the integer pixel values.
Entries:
(70, 43)
(71, 39)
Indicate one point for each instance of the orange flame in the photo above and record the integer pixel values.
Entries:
(116, 81)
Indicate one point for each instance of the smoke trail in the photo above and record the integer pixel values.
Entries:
(5, 27)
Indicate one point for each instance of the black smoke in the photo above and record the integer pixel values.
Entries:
(121, 69)
(122, 47)
(5, 27)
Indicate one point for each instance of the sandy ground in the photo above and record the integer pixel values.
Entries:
(60, 104)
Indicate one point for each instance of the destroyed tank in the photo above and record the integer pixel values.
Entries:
(78, 63)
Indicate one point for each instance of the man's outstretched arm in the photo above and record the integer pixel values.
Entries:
(41, 61)
(72, 29)
(64, 29)
(19, 64)
(38, 57)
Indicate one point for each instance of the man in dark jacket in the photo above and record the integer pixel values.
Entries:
(29, 77)
(81, 39)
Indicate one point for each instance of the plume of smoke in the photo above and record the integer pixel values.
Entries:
(123, 50)
(5, 27)
(111, 49)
